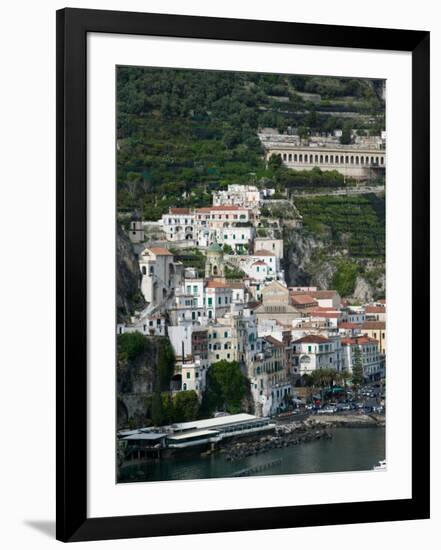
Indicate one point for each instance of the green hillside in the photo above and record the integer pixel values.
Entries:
(355, 223)
(183, 133)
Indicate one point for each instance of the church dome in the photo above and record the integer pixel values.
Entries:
(215, 247)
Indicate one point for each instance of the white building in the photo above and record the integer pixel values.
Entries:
(150, 325)
(178, 224)
(369, 351)
(354, 314)
(160, 274)
(316, 352)
(275, 246)
(239, 238)
(218, 299)
(193, 377)
(270, 387)
(240, 195)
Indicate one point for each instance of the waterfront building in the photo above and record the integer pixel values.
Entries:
(270, 387)
(313, 352)
(372, 361)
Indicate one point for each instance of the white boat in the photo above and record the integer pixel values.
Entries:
(381, 465)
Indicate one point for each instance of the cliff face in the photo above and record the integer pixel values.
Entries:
(128, 278)
(312, 261)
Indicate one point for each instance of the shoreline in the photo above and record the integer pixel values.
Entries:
(294, 433)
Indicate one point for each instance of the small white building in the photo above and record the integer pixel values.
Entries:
(136, 231)
(193, 377)
(218, 298)
(275, 246)
(239, 238)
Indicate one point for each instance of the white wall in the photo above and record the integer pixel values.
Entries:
(27, 146)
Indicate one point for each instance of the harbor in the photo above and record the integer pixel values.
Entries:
(348, 450)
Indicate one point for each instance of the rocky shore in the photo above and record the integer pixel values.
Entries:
(295, 433)
(286, 435)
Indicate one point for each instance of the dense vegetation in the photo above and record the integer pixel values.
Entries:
(166, 408)
(355, 223)
(133, 347)
(226, 387)
(183, 133)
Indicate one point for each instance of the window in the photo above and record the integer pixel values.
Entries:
(188, 374)
(225, 334)
(144, 271)
(219, 300)
(210, 301)
(309, 349)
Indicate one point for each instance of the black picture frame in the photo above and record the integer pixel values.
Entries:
(71, 510)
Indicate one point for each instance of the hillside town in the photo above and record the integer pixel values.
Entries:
(214, 285)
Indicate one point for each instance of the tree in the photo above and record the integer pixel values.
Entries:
(225, 387)
(185, 406)
(274, 162)
(357, 366)
(157, 408)
(346, 138)
(130, 345)
(345, 277)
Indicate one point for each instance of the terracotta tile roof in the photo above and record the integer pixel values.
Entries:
(323, 294)
(160, 251)
(374, 325)
(312, 339)
(358, 340)
(273, 341)
(179, 211)
(325, 314)
(234, 285)
(216, 284)
(259, 262)
(302, 299)
(375, 309)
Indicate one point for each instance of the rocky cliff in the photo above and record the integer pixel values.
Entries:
(310, 260)
(128, 278)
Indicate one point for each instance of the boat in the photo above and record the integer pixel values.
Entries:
(380, 466)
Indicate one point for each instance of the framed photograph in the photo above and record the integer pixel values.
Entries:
(242, 275)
